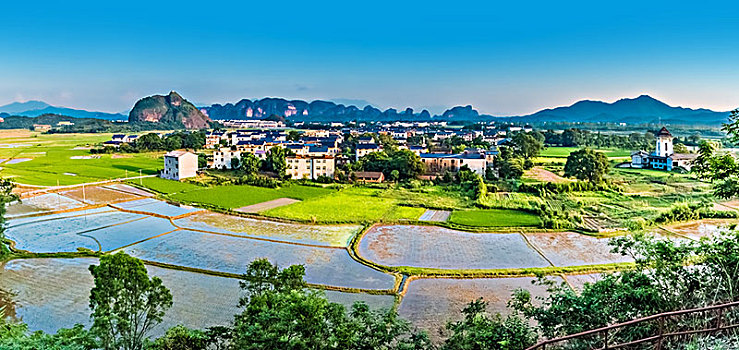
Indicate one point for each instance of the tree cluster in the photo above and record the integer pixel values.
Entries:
(153, 142)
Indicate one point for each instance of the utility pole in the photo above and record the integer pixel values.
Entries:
(84, 198)
(141, 180)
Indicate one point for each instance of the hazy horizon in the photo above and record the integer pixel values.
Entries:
(504, 59)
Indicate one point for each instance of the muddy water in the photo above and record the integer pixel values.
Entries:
(49, 294)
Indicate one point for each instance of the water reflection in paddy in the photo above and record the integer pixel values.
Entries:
(49, 294)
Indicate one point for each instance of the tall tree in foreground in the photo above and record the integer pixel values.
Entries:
(126, 304)
(722, 169)
(6, 196)
(587, 164)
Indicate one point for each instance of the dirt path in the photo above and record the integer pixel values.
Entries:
(255, 208)
(435, 215)
(541, 174)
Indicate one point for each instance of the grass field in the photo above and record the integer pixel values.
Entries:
(563, 152)
(39, 159)
(231, 196)
(494, 218)
(349, 205)
(238, 196)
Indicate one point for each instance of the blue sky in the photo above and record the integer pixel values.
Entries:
(504, 58)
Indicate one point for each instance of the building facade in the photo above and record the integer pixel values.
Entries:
(179, 165)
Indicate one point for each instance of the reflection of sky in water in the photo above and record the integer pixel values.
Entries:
(49, 294)
(326, 266)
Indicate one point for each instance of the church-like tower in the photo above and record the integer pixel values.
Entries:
(664, 143)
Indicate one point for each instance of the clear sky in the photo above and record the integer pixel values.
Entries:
(505, 58)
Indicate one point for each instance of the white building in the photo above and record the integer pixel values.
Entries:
(179, 165)
(222, 158)
(663, 157)
(365, 149)
(304, 167)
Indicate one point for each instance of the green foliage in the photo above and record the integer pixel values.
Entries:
(250, 164)
(405, 163)
(15, 336)
(550, 188)
(479, 331)
(584, 138)
(6, 196)
(276, 161)
(685, 211)
(126, 304)
(181, 338)
(526, 146)
(587, 164)
(494, 218)
(507, 165)
(279, 313)
(669, 275)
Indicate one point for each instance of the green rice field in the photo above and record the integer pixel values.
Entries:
(563, 152)
(494, 218)
(47, 160)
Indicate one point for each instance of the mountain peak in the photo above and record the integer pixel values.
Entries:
(172, 109)
(18, 107)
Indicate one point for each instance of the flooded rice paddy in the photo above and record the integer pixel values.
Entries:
(49, 294)
(326, 266)
(572, 249)
(432, 302)
(335, 236)
(431, 246)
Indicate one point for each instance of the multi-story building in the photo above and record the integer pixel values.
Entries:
(306, 167)
(365, 149)
(223, 157)
(179, 165)
(437, 163)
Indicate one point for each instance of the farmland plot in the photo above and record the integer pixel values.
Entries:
(153, 206)
(430, 303)
(62, 235)
(579, 281)
(58, 216)
(326, 266)
(98, 195)
(335, 235)
(703, 228)
(114, 237)
(40, 204)
(572, 249)
(129, 189)
(49, 294)
(436, 247)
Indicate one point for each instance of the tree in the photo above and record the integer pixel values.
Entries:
(293, 135)
(126, 304)
(507, 165)
(721, 169)
(235, 163)
(680, 148)
(281, 313)
(479, 331)
(394, 175)
(181, 338)
(6, 196)
(276, 160)
(250, 164)
(587, 164)
(149, 142)
(526, 146)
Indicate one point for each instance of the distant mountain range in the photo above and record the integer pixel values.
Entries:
(37, 108)
(642, 109)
